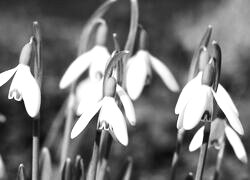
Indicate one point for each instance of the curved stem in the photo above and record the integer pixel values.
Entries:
(134, 16)
(89, 25)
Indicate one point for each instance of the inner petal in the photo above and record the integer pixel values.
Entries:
(14, 93)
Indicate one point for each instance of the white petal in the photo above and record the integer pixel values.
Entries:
(226, 98)
(236, 143)
(197, 139)
(187, 92)
(136, 75)
(76, 68)
(217, 132)
(29, 90)
(6, 75)
(111, 114)
(127, 105)
(229, 112)
(99, 62)
(201, 102)
(85, 118)
(88, 93)
(165, 74)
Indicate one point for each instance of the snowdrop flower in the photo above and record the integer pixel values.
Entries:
(139, 69)
(94, 59)
(23, 86)
(110, 116)
(219, 129)
(196, 102)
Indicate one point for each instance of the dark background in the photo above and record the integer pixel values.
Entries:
(174, 29)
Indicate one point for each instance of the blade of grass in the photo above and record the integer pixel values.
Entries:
(220, 156)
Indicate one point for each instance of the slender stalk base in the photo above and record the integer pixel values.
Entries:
(219, 161)
(176, 155)
(91, 175)
(203, 152)
(35, 148)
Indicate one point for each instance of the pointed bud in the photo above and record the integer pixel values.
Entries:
(67, 170)
(45, 164)
(190, 176)
(79, 168)
(26, 53)
(126, 170)
(203, 58)
(208, 75)
(110, 87)
(21, 173)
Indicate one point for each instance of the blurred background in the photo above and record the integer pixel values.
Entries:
(175, 29)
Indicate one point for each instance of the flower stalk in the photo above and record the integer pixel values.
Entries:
(68, 125)
(36, 121)
(129, 46)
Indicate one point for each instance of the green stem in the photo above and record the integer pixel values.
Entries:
(68, 124)
(89, 25)
(35, 148)
(91, 174)
(203, 152)
(219, 161)
(134, 16)
(176, 155)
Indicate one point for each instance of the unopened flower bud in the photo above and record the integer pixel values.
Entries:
(110, 87)
(208, 75)
(26, 53)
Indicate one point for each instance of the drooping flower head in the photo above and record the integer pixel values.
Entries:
(110, 116)
(191, 103)
(94, 59)
(24, 86)
(138, 72)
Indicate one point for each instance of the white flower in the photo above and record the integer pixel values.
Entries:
(94, 59)
(110, 117)
(23, 86)
(139, 68)
(219, 129)
(196, 98)
(88, 93)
